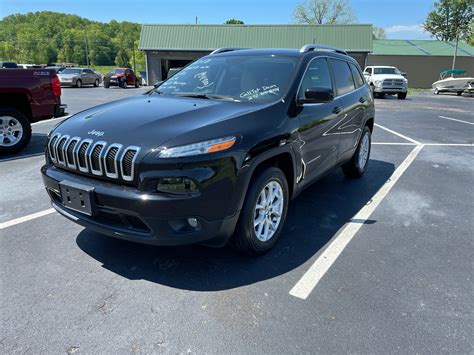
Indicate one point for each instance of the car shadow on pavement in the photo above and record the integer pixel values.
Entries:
(35, 147)
(314, 218)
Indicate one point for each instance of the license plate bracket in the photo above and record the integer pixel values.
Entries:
(77, 197)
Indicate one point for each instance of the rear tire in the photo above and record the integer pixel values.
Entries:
(402, 96)
(13, 138)
(267, 202)
(96, 82)
(79, 84)
(357, 166)
(137, 84)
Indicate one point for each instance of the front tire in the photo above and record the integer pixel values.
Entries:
(79, 84)
(357, 166)
(402, 96)
(137, 84)
(96, 82)
(263, 214)
(459, 93)
(15, 131)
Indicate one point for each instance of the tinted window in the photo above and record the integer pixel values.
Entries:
(342, 76)
(71, 71)
(386, 70)
(242, 78)
(359, 81)
(88, 71)
(317, 75)
(368, 70)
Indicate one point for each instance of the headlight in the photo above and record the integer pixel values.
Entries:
(212, 146)
(378, 82)
(405, 81)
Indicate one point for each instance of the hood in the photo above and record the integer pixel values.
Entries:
(149, 121)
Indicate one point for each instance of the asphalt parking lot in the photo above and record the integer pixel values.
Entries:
(382, 264)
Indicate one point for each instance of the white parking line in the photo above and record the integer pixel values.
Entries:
(455, 119)
(26, 218)
(392, 143)
(428, 144)
(311, 278)
(51, 120)
(398, 134)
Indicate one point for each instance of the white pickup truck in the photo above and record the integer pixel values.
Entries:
(386, 80)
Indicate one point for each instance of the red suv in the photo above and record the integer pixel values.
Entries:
(121, 77)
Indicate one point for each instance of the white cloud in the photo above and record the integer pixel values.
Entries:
(407, 32)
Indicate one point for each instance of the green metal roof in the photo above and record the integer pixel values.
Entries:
(208, 37)
(420, 47)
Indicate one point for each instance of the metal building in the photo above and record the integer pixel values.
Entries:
(422, 60)
(173, 46)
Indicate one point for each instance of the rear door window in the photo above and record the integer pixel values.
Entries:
(342, 76)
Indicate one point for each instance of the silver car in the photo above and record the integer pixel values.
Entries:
(79, 77)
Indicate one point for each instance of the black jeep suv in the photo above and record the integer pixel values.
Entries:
(215, 153)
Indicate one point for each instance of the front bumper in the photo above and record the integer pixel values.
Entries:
(390, 90)
(127, 213)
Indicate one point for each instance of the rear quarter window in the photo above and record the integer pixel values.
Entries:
(358, 80)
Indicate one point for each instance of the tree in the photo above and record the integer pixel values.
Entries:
(450, 19)
(318, 12)
(234, 21)
(378, 33)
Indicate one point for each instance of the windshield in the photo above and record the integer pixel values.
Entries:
(117, 71)
(241, 78)
(71, 71)
(386, 71)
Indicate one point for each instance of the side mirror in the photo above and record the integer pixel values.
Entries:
(403, 74)
(318, 95)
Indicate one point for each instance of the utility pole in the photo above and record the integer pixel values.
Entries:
(196, 20)
(133, 55)
(87, 49)
(455, 52)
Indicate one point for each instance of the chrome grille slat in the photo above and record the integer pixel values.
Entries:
(111, 161)
(97, 158)
(127, 162)
(69, 149)
(95, 161)
(60, 151)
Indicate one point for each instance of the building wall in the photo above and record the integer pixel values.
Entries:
(422, 71)
(156, 66)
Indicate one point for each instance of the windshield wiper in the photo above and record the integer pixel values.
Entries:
(208, 96)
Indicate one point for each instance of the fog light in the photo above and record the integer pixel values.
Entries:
(176, 185)
(193, 222)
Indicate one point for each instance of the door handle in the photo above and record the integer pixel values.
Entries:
(337, 110)
(362, 100)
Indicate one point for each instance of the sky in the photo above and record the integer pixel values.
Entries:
(401, 19)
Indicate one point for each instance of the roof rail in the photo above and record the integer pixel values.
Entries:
(223, 50)
(312, 47)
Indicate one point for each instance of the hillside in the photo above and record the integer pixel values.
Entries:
(49, 37)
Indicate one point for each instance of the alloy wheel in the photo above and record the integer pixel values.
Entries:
(11, 131)
(268, 211)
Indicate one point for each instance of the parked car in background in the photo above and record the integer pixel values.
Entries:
(57, 69)
(386, 80)
(26, 96)
(8, 65)
(216, 152)
(121, 77)
(79, 77)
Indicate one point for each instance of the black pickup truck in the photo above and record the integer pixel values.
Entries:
(26, 96)
(216, 152)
